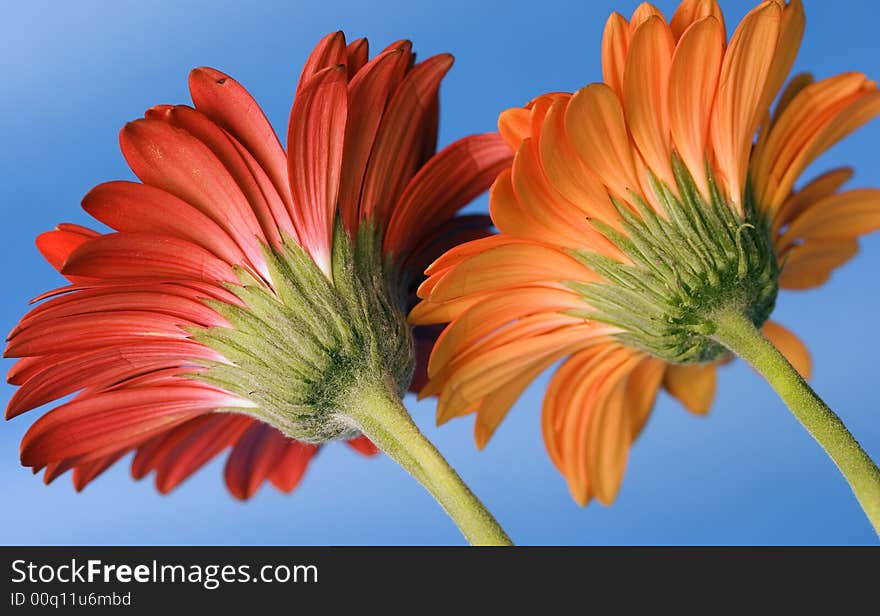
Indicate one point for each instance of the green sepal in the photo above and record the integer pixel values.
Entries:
(301, 342)
(686, 262)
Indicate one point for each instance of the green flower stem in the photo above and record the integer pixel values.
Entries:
(739, 334)
(380, 415)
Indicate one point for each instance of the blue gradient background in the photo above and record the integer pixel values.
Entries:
(73, 74)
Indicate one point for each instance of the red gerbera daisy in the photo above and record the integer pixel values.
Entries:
(240, 285)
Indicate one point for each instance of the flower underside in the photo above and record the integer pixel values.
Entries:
(296, 349)
(701, 256)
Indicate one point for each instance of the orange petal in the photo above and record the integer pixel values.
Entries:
(738, 111)
(472, 380)
(693, 385)
(515, 124)
(811, 263)
(641, 392)
(615, 42)
(495, 405)
(690, 12)
(826, 184)
(790, 346)
(494, 312)
(468, 249)
(791, 30)
(693, 81)
(817, 117)
(574, 180)
(510, 265)
(563, 223)
(643, 13)
(586, 428)
(595, 123)
(532, 326)
(840, 216)
(645, 97)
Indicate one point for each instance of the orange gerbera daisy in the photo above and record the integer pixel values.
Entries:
(244, 288)
(637, 211)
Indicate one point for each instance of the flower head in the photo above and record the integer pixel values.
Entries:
(244, 288)
(633, 210)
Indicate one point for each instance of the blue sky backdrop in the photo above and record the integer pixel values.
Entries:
(74, 73)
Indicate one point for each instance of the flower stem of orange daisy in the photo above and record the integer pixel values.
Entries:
(736, 332)
(380, 415)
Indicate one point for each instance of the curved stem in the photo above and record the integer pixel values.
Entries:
(738, 333)
(382, 417)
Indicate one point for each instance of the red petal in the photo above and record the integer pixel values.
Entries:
(26, 367)
(56, 246)
(84, 473)
(200, 448)
(400, 143)
(102, 368)
(251, 179)
(432, 246)
(173, 160)
(227, 103)
(109, 422)
(424, 338)
(363, 446)
(369, 93)
(253, 459)
(143, 255)
(315, 141)
(80, 333)
(178, 301)
(448, 182)
(357, 53)
(140, 208)
(292, 465)
(330, 51)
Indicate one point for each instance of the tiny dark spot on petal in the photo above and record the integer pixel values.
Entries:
(221, 81)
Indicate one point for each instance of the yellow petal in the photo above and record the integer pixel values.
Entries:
(790, 346)
(693, 385)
